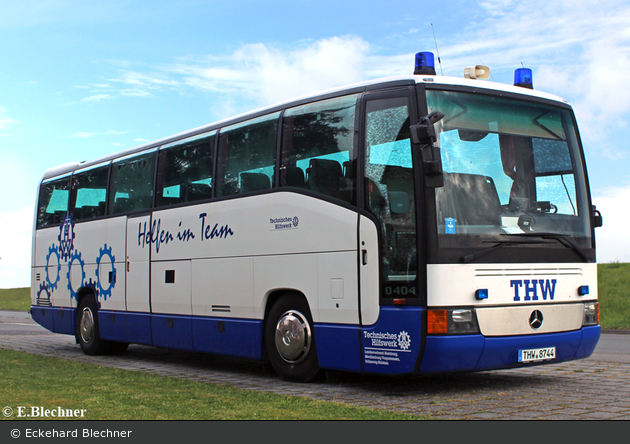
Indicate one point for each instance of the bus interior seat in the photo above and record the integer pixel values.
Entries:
(122, 204)
(470, 199)
(198, 191)
(87, 212)
(254, 182)
(294, 177)
(323, 176)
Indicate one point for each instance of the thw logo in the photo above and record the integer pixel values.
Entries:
(531, 287)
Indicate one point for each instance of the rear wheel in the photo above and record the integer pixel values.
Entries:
(87, 327)
(88, 332)
(290, 340)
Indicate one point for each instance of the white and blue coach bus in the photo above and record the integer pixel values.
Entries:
(416, 224)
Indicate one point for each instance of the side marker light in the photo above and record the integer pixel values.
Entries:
(482, 293)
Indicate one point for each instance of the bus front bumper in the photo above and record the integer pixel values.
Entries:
(476, 352)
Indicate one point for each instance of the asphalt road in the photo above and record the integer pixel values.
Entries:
(593, 388)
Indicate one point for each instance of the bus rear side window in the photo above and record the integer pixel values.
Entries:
(89, 193)
(53, 202)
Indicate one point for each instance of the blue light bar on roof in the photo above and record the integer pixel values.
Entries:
(425, 63)
(523, 78)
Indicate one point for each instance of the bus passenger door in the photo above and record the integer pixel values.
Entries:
(138, 278)
(389, 200)
(391, 312)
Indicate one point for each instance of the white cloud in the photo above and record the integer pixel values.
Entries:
(97, 98)
(612, 239)
(15, 248)
(266, 74)
(5, 120)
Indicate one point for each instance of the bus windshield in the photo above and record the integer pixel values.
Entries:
(511, 167)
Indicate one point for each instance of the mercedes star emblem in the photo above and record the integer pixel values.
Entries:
(536, 319)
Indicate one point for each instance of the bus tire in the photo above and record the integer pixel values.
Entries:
(290, 340)
(87, 327)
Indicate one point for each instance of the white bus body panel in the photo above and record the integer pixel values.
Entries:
(514, 292)
(503, 321)
(138, 268)
(72, 256)
(369, 271)
(455, 284)
(234, 253)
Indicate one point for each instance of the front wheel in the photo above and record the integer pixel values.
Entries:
(290, 340)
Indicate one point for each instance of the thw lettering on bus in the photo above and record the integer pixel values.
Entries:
(155, 236)
(208, 232)
(547, 289)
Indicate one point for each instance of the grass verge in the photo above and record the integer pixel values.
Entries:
(114, 394)
(614, 295)
(15, 299)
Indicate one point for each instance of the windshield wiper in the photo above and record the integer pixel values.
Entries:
(562, 238)
(477, 254)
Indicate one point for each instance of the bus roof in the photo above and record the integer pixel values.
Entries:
(350, 89)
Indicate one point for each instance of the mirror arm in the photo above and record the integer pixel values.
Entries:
(423, 136)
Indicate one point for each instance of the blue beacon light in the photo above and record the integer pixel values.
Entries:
(425, 64)
(523, 78)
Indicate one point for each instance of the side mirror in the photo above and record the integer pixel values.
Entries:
(598, 221)
(423, 136)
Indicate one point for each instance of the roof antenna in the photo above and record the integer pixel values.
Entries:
(471, 47)
(436, 50)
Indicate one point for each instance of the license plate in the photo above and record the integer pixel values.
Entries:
(537, 354)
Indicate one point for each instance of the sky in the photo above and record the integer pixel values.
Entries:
(82, 79)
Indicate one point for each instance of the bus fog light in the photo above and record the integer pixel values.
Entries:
(459, 321)
(463, 321)
(462, 316)
(591, 313)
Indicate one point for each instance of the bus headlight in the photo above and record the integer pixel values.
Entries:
(452, 321)
(591, 313)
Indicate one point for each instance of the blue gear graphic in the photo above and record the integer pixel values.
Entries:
(76, 256)
(66, 238)
(44, 301)
(52, 286)
(105, 292)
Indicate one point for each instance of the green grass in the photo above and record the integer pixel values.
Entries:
(614, 296)
(115, 394)
(15, 299)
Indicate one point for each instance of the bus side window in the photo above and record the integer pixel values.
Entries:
(131, 184)
(52, 206)
(89, 192)
(317, 148)
(185, 170)
(247, 156)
